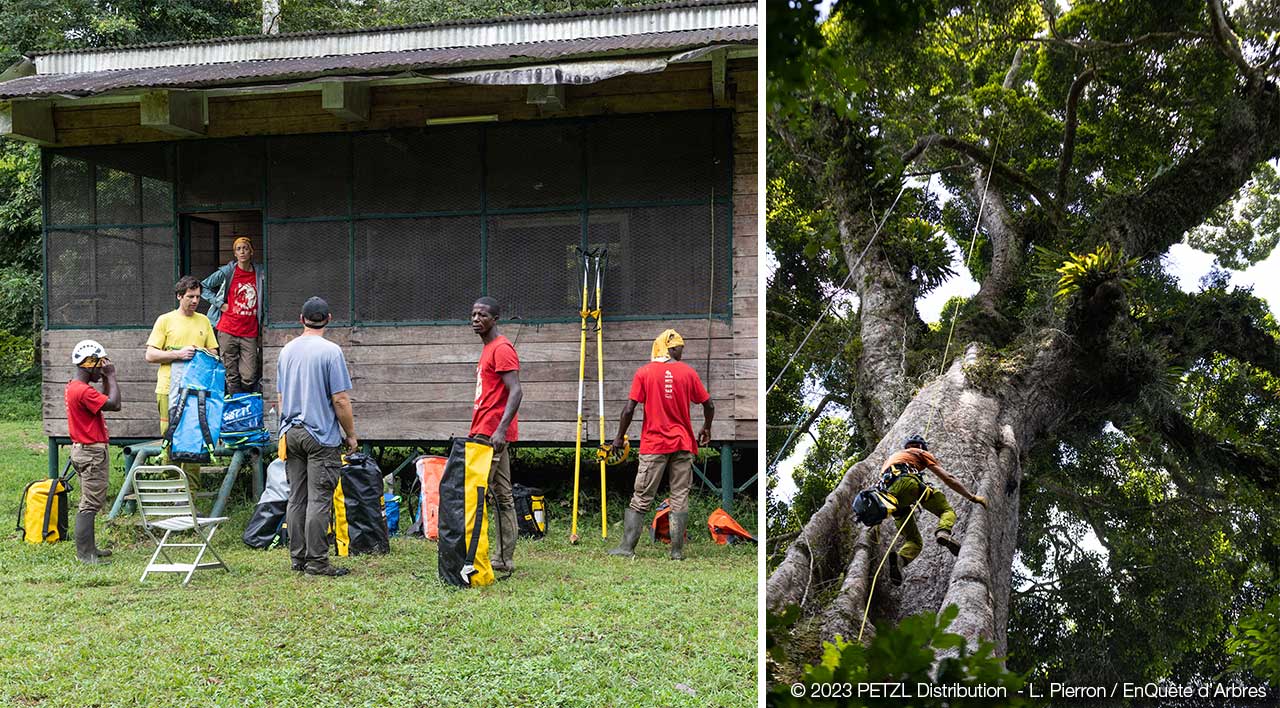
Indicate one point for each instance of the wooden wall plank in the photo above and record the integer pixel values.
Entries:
(421, 378)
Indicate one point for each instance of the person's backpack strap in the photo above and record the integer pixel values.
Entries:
(175, 414)
(45, 531)
(22, 508)
(201, 395)
(48, 502)
(66, 478)
(474, 544)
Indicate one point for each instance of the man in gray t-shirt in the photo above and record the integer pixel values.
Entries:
(315, 418)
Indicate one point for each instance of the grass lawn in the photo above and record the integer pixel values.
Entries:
(572, 627)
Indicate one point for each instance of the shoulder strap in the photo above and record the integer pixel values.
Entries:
(22, 507)
(45, 531)
(175, 414)
(201, 395)
(48, 502)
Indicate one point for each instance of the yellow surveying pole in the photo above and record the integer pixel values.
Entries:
(582, 372)
(604, 516)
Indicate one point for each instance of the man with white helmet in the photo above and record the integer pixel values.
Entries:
(90, 455)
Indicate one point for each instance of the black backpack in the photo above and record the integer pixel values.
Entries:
(872, 506)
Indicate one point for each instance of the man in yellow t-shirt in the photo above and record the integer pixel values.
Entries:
(175, 337)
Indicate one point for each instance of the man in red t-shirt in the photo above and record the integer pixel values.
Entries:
(493, 419)
(666, 387)
(234, 292)
(88, 430)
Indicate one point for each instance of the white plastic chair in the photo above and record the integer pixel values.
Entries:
(165, 504)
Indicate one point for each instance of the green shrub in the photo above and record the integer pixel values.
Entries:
(20, 299)
(20, 396)
(17, 355)
(1255, 642)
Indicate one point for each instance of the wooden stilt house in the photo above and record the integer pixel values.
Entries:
(400, 173)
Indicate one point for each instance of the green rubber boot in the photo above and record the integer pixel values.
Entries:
(633, 523)
(679, 524)
(86, 550)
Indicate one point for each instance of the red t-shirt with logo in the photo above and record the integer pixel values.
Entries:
(666, 388)
(84, 413)
(241, 317)
(497, 358)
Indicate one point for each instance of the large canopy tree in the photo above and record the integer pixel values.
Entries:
(1080, 390)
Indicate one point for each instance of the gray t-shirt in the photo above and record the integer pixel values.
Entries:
(309, 372)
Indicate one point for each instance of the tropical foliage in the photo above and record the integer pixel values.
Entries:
(1058, 154)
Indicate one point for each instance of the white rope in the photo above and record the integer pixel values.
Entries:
(832, 298)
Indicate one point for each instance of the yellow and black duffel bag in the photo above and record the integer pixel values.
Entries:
(42, 512)
(464, 530)
(358, 523)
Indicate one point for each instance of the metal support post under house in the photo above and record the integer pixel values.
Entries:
(53, 458)
(726, 477)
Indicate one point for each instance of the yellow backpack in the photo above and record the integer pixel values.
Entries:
(42, 512)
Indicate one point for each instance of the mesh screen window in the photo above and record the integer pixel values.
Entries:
(411, 225)
(109, 237)
(417, 270)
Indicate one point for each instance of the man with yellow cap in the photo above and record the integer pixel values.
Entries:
(666, 387)
(234, 292)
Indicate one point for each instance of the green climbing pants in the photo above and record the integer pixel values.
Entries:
(907, 489)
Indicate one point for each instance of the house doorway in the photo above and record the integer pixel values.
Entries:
(208, 239)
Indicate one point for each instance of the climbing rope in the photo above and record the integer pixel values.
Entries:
(876, 576)
(832, 298)
(795, 428)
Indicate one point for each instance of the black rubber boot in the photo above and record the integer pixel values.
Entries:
(895, 573)
(679, 524)
(945, 540)
(633, 522)
(86, 551)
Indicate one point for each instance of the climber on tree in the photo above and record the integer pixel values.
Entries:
(900, 477)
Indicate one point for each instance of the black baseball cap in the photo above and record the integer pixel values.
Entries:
(315, 310)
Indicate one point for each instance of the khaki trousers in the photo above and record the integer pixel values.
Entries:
(92, 463)
(240, 357)
(680, 466)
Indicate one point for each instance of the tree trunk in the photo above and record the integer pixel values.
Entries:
(271, 16)
(980, 437)
(886, 311)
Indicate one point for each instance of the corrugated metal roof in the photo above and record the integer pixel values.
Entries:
(380, 63)
(610, 22)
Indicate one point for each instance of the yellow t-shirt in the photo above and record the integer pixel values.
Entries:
(173, 331)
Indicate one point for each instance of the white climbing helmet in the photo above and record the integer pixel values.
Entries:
(87, 353)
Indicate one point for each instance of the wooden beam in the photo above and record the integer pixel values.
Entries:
(29, 120)
(174, 112)
(348, 100)
(718, 74)
(550, 98)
